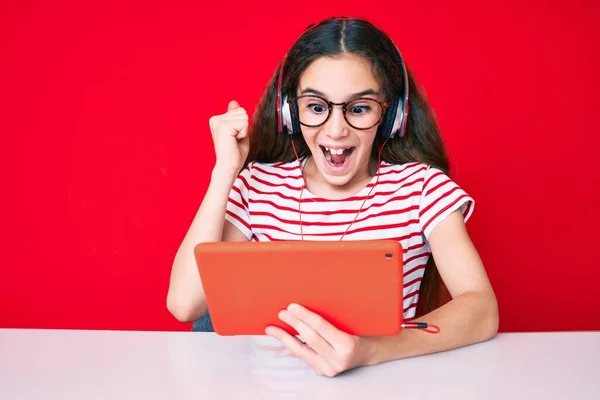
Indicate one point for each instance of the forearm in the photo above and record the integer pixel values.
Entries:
(185, 299)
(467, 319)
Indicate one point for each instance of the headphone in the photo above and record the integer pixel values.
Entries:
(393, 122)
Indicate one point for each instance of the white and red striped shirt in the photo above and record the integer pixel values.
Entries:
(406, 204)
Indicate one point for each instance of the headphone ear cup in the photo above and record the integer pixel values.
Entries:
(295, 121)
(286, 116)
(386, 127)
(295, 124)
(399, 124)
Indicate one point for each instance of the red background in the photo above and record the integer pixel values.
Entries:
(106, 151)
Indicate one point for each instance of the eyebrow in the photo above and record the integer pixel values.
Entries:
(355, 95)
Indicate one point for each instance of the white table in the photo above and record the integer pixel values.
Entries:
(59, 364)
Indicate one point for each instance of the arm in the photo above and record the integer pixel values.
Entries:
(185, 299)
(470, 317)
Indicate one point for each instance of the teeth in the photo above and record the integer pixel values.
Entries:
(338, 152)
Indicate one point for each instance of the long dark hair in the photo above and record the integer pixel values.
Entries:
(422, 142)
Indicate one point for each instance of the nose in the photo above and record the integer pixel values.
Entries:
(336, 126)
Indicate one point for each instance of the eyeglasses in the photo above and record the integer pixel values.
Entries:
(313, 111)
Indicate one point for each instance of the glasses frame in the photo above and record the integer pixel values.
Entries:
(293, 102)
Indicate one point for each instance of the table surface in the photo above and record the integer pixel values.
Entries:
(79, 364)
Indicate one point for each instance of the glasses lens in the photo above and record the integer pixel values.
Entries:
(312, 111)
(363, 113)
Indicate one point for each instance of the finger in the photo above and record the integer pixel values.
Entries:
(233, 127)
(318, 324)
(232, 105)
(298, 348)
(309, 335)
(244, 146)
(242, 132)
(235, 115)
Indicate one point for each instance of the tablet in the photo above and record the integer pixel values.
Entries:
(355, 285)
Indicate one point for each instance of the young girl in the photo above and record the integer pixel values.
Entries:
(341, 148)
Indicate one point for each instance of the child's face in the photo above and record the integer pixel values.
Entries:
(339, 80)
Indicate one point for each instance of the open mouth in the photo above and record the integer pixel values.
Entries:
(337, 157)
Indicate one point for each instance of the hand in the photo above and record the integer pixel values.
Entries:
(230, 137)
(328, 350)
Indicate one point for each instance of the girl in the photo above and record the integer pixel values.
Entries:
(341, 166)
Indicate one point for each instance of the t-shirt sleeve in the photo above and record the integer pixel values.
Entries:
(440, 197)
(237, 212)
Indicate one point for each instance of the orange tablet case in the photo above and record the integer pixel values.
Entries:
(355, 285)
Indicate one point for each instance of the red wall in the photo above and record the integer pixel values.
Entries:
(106, 151)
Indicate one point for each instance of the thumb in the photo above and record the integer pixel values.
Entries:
(232, 105)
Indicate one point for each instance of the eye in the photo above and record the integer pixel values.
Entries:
(360, 109)
(317, 108)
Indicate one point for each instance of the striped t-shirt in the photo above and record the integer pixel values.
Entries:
(406, 204)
